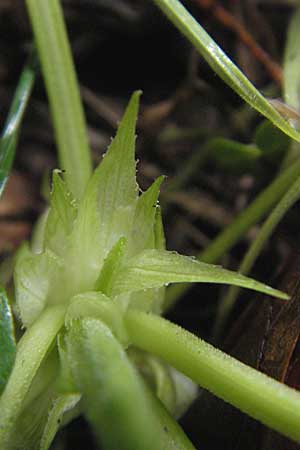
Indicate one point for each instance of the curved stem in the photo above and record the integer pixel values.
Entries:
(62, 87)
(263, 398)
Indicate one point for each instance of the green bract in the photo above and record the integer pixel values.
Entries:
(110, 242)
(101, 257)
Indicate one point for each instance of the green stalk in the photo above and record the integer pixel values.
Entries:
(114, 397)
(62, 88)
(31, 350)
(262, 204)
(227, 304)
(274, 404)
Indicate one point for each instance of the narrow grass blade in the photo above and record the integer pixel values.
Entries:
(13, 122)
(7, 340)
(287, 201)
(222, 64)
(263, 203)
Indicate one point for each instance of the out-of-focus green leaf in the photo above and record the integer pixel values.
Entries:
(233, 156)
(13, 122)
(271, 141)
(7, 339)
(154, 268)
(291, 63)
(222, 64)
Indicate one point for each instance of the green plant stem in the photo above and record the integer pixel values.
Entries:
(31, 350)
(263, 398)
(62, 88)
(12, 125)
(222, 64)
(115, 400)
(228, 302)
(235, 231)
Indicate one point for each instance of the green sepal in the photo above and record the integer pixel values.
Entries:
(159, 235)
(142, 233)
(155, 268)
(63, 211)
(7, 339)
(160, 244)
(111, 264)
(35, 275)
(152, 300)
(107, 208)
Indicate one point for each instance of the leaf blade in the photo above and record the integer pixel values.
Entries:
(13, 122)
(222, 64)
(153, 269)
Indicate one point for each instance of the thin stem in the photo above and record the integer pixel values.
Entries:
(274, 404)
(227, 304)
(62, 87)
(249, 217)
(31, 351)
